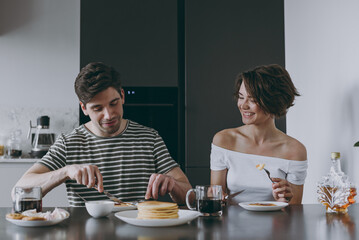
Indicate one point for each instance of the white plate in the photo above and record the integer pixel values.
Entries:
(278, 206)
(123, 208)
(38, 223)
(131, 218)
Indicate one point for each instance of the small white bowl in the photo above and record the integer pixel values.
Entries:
(99, 208)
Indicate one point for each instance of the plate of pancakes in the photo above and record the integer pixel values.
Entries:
(157, 214)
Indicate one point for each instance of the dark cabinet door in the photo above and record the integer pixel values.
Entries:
(138, 38)
(223, 38)
(198, 46)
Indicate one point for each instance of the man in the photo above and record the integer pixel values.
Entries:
(109, 152)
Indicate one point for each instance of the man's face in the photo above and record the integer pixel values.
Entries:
(106, 111)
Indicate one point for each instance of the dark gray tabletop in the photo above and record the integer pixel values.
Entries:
(294, 222)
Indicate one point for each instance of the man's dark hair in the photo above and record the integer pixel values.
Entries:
(94, 78)
(271, 88)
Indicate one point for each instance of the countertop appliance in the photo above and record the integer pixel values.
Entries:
(42, 139)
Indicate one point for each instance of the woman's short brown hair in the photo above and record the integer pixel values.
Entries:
(93, 79)
(271, 88)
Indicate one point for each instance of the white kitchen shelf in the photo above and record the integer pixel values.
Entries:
(18, 160)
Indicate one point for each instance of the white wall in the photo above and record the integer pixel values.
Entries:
(39, 61)
(322, 56)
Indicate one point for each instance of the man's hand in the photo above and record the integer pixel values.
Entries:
(159, 184)
(88, 175)
(282, 191)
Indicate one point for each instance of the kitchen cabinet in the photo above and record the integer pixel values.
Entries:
(10, 172)
(138, 38)
(198, 46)
(224, 38)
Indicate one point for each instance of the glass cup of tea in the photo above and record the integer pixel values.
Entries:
(27, 199)
(208, 200)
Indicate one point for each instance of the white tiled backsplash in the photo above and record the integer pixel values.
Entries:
(62, 120)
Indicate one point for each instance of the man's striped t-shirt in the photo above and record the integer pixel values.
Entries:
(126, 161)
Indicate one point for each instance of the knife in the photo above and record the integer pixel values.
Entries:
(233, 195)
(110, 196)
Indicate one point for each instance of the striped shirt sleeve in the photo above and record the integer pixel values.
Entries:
(163, 160)
(55, 158)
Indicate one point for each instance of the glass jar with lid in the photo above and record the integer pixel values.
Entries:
(13, 146)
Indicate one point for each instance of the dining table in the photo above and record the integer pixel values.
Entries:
(306, 221)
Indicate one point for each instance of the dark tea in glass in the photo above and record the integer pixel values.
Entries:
(209, 205)
(27, 204)
(27, 198)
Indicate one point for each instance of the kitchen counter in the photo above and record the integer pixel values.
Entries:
(10, 172)
(308, 221)
(18, 160)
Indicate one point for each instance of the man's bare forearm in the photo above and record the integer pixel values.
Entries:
(39, 175)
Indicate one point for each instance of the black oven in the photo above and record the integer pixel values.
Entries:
(155, 107)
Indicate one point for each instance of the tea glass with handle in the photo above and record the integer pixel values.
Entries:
(208, 200)
(27, 199)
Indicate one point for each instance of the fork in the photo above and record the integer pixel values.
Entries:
(268, 173)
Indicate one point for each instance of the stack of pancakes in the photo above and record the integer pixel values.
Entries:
(157, 210)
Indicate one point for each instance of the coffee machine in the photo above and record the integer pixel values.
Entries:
(42, 139)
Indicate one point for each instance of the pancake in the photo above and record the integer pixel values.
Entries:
(33, 218)
(16, 216)
(157, 210)
(19, 216)
(262, 204)
(260, 166)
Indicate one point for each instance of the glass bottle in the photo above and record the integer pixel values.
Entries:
(13, 146)
(2, 146)
(335, 191)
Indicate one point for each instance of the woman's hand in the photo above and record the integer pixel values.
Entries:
(282, 190)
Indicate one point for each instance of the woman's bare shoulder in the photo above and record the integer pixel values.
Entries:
(295, 149)
(222, 136)
(227, 137)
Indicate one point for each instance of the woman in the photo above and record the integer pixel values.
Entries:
(263, 94)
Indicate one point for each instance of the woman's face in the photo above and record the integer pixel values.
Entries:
(250, 111)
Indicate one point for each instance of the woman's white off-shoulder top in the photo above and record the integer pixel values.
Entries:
(243, 174)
